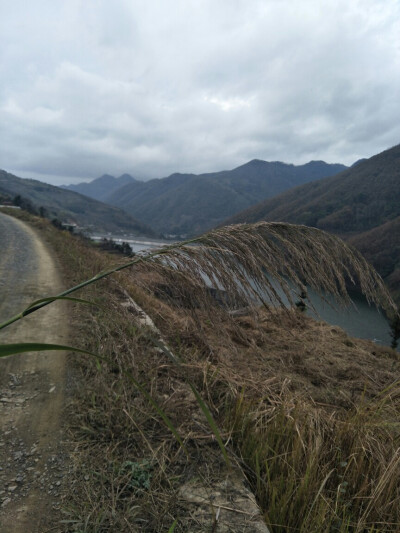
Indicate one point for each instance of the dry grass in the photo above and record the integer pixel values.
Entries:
(319, 472)
(310, 415)
(236, 259)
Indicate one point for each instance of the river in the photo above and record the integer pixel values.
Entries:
(137, 245)
(359, 320)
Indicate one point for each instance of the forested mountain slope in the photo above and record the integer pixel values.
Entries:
(70, 206)
(190, 204)
(361, 204)
(381, 247)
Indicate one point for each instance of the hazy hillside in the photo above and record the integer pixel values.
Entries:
(189, 203)
(362, 204)
(71, 206)
(101, 187)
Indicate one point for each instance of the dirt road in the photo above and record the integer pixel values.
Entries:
(32, 386)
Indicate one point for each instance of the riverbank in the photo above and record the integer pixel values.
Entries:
(306, 413)
(136, 244)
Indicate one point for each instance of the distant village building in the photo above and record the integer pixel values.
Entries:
(70, 226)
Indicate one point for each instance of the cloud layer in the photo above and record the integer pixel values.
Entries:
(194, 86)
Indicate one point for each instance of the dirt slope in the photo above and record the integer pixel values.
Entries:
(32, 386)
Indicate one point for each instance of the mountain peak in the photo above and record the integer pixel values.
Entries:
(101, 187)
(261, 164)
(126, 178)
(256, 162)
(105, 178)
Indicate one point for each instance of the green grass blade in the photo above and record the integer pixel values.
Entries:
(163, 347)
(22, 347)
(172, 528)
(50, 299)
(211, 422)
(102, 275)
(32, 307)
(13, 349)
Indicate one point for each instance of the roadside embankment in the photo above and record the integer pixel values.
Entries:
(308, 416)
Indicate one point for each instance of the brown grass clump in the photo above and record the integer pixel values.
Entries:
(311, 414)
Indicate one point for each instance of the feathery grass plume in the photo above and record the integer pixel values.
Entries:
(238, 258)
(268, 263)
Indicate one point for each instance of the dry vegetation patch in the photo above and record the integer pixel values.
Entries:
(309, 415)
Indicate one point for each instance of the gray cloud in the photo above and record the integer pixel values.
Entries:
(155, 87)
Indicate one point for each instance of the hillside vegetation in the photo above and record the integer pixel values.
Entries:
(69, 206)
(306, 413)
(361, 204)
(191, 204)
(381, 247)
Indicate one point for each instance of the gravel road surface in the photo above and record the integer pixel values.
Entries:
(32, 386)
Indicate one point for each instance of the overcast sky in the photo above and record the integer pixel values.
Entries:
(150, 87)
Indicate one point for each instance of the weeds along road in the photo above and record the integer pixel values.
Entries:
(32, 386)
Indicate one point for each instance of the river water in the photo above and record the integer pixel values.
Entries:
(137, 245)
(360, 320)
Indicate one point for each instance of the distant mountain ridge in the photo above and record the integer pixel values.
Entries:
(101, 187)
(70, 206)
(187, 204)
(361, 204)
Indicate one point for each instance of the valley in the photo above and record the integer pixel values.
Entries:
(226, 374)
(200, 266)
(188, 204)
(360, 204)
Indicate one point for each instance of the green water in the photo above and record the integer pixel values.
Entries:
(359, 320)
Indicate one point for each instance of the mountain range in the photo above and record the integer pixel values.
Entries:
(69, 206)
(102, 187)
(187, 204)
(360, 204)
